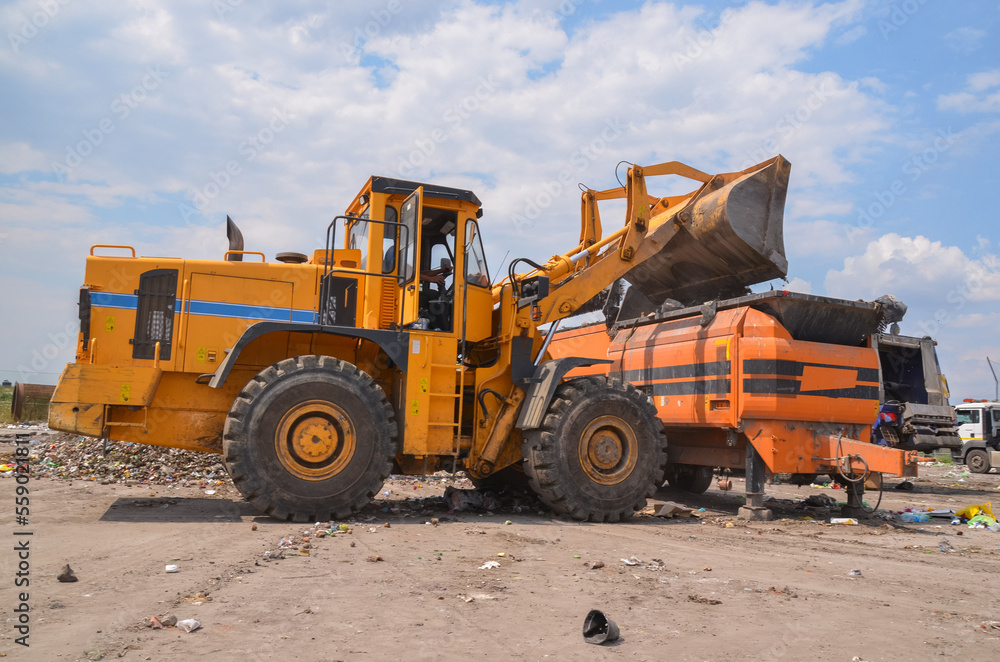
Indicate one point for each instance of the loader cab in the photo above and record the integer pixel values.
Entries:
(422, 258)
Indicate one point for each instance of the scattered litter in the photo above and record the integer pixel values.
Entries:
(843, 520)
(707, 568)
(209, 492)
(704, 601)
(984, 522)
(596, 564)
(155, 623)
(67, 574)
(598, 628)
(969, 512)
(490, 565)
(856, 573)
(253, 527)
(918, 516)
(172, 568)
(198, 598)
(821, 501)
(169, 621)
(945, 546)
(375, 558)
(671, 509)
(188, 625)
(632, 561)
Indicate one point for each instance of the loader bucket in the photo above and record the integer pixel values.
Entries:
(731, 239)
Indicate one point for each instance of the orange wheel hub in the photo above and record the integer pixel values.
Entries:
(315, 440)
(608, 450)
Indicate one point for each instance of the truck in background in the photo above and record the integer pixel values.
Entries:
(979, 427)
(914, 395)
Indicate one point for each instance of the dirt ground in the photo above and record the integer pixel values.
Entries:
(400, 587)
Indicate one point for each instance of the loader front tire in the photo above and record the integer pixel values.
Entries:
(310, 439)
(600, 452)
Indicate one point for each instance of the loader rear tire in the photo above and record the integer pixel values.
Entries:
(310, 439)
(977, 461)
(600, 452)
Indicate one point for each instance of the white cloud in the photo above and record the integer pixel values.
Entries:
(799, 285)
(982, 94)
(852, 35)
(965, 40)
(919, 268)
(20, 157)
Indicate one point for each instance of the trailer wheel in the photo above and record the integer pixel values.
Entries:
(977, 461)
(600, 452)
(310, 438)
(690, 478)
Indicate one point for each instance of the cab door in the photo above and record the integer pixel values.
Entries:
(411, 216)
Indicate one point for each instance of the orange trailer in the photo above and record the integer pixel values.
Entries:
(771, 383)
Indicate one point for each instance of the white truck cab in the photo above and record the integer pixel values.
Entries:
(979, 426)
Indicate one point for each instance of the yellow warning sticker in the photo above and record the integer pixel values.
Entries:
(423, 385)
(126, 392)
(414, 408)
(202, 355)
(109, 323)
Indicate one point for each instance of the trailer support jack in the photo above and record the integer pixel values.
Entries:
(756, 475)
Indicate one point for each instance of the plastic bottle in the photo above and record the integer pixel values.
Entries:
(915, 517)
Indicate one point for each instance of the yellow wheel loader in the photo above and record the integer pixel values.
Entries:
(390, 349)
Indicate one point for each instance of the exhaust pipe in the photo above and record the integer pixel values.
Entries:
(235, 240)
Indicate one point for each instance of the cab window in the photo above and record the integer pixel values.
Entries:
(389, 242)
(475, 260)
(967, 416)
(357, 238)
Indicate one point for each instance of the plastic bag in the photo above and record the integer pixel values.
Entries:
(980, 509)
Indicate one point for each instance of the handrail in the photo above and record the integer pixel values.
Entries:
(181, 340)
(110, 246)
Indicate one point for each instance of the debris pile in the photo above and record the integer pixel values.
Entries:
(72, 457)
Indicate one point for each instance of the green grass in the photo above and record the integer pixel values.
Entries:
(6, 393)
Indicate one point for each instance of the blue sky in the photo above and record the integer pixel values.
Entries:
(146, 123)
